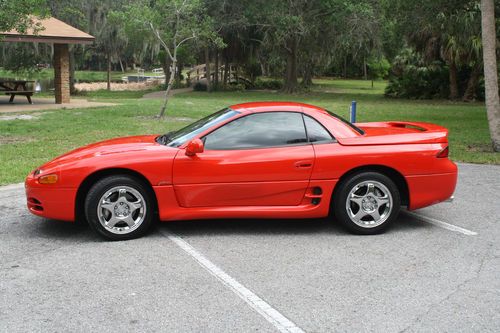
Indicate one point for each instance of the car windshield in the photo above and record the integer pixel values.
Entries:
(345, 121)
(177, 138)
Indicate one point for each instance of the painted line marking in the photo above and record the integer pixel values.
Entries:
(442, 224)
(272, 315)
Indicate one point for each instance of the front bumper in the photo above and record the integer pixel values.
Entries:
(50, 201)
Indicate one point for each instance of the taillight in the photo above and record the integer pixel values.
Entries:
(443, 152)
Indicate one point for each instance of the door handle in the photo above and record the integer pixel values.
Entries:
(303, 164)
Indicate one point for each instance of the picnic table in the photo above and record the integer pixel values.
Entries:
(16, 87)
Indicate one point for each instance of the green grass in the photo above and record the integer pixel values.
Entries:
(26, 144)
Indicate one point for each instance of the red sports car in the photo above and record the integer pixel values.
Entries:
(253, 160)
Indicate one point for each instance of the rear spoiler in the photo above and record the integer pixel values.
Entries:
(418, 132)
(424, 127)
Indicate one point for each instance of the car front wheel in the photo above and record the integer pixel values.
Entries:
(119, 207)
(367, 203)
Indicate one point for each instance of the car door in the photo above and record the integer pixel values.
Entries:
(261, 159)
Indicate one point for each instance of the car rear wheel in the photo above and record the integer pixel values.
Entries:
(119, 207)
(367, 203)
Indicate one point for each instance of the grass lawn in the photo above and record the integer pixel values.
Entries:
(25, 144)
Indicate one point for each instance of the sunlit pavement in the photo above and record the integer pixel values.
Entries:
(418, 277)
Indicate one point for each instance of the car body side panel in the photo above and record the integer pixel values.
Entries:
(280, 193)
(334, 160)
(170, 211)
(249, 177)
(417, 163)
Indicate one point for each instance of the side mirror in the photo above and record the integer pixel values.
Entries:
(194, 147)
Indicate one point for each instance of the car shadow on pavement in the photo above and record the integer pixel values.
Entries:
(251, 226)
(68, 231)
(60, 230)
(404, 223)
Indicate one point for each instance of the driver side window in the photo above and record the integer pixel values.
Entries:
(259, 130)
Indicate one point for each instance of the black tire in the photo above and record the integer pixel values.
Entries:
(347, 212)
(131, 188)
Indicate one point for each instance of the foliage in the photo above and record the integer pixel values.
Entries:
(411, 78)
(269, 84)
(25, 62)
(378, 67)
(19, 14)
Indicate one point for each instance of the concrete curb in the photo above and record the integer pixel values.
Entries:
(12, 187)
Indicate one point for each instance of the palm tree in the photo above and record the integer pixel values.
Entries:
(490, 71)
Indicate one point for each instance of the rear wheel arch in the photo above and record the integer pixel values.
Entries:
(94, 177)
(398, 179)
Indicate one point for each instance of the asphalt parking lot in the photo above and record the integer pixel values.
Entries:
(423, 275)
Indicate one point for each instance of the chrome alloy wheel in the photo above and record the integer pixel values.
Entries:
(369, 204)
(121, 210)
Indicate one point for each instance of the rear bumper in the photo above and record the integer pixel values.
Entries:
(49, 201)
(426, 190)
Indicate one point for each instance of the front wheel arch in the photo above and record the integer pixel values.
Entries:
(94, 177)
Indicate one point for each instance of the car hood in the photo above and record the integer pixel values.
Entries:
(108, 147)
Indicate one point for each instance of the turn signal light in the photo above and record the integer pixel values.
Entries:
(443, 153)
(48, 179)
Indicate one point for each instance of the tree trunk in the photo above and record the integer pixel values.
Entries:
(345, 68)
(453, 80)
(169, 86)
(165, 64)
(108, 86)
(207, 69)
(121, 65)
(290, 84)
(178, 74)
(470, 91)
(226, 71)
(216, 71)
(365, 70)
(490, 71)
(307, 75)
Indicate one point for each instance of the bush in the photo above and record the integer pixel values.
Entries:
(271, 84)
(411, 78)
(199, 86)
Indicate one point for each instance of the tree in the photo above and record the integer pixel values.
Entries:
(490, 70)
(172, 23)
(448, 31)
(19, 14)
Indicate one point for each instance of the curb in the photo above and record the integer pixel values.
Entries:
(17, 186)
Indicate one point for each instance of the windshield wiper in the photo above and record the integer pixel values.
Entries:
(165, 138)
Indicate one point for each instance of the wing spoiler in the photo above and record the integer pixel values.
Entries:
(397, 132)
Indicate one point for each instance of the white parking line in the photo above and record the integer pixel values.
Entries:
(272, 315)
(442, 224)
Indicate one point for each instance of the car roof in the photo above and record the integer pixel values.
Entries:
(253, 107)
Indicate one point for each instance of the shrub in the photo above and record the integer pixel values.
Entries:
(411, 78)
(271, 84)
(199, 86)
